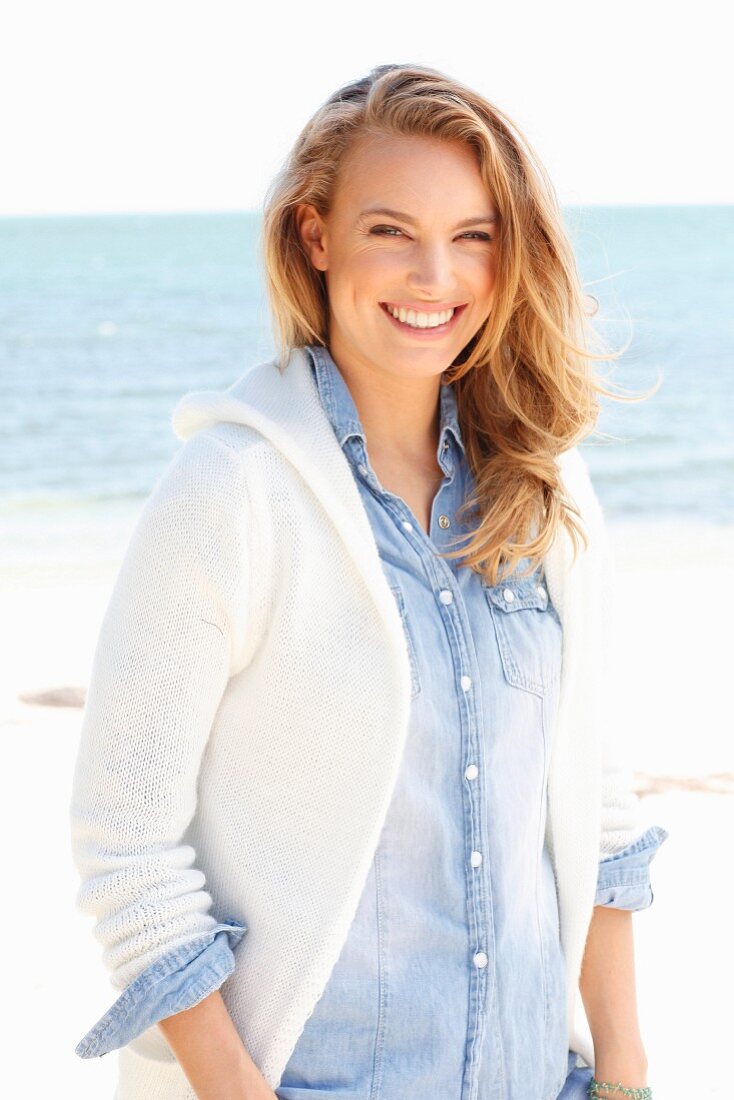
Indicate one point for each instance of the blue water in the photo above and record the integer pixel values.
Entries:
(106, 320)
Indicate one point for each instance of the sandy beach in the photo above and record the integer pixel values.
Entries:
(677, 584)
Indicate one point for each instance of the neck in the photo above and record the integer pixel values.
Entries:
(400, 415)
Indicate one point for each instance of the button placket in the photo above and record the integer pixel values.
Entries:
(478, 890)
(480, 958)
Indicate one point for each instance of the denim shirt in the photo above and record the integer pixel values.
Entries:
(451, 979)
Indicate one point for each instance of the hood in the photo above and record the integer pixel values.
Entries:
(285, 408)
(277, 400)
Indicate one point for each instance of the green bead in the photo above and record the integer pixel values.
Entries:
(644, 1093)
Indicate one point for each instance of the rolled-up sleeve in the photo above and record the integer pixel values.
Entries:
(176, 981)
(623, 881)
(161, 665)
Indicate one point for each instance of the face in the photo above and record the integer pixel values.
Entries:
(411, 232)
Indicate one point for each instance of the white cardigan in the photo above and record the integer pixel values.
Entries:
(247, 709)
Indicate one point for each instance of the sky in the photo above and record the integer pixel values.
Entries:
(160, 106)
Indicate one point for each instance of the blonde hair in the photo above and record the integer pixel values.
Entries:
(524, 383)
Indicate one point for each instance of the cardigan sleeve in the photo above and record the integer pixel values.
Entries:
(160, 667)
(620, 804)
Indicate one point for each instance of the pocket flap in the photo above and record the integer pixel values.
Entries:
(519, 595)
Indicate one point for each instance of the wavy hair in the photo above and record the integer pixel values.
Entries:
(525, 386)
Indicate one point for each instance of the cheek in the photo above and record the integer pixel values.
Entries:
(386, 265)
(369, 272)
(356, 282)
(482, 271)
(482, 278)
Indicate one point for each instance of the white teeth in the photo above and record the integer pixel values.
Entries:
(421, 319)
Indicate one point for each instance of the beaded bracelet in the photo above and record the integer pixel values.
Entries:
(636, 1094)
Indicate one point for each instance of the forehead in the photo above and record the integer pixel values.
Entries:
(413, 172)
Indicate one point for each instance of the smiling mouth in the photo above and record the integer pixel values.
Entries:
(434, 321)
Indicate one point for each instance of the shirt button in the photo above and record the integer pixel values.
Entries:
(445, 596)
(476, 859)
(509, 595)
(362, 468)
(541, 591)
(407, 525)
(480, 959)
(466, 682)
(472, 772)
(444, 521)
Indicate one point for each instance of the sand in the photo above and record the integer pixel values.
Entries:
(678, 590)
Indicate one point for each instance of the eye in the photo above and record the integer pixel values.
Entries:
(391, 230)
(385, 230)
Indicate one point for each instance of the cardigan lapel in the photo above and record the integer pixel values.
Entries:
(574, 777)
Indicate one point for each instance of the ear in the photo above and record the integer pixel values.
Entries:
(312, 230)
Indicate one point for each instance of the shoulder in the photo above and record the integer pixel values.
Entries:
(576, 476)
(580, 490)
(215, 459)
(202, 489)
(592, 563)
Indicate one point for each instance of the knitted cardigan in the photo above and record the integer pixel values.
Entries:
(247, 709)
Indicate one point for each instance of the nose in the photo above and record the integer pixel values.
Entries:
(432, 271)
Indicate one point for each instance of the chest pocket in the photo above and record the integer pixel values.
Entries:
(528, 631)
(415, 685)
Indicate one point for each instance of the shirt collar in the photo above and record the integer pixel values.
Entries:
(339, 404)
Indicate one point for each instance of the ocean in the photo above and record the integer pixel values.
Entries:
(107, 320)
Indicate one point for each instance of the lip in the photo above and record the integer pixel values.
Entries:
(425, 333)
(423, 307)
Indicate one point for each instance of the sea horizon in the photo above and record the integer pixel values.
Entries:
(108, 319)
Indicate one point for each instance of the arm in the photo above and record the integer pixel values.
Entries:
(607, 978)
(212, 1055)
(162, 662)
(607, 986)
(607, 981)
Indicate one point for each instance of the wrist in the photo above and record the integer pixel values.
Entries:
(626, 1068)
(621, 1061)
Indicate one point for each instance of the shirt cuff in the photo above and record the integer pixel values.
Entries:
(623, 880)
(176, 981)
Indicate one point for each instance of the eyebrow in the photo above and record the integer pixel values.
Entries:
(485, 219)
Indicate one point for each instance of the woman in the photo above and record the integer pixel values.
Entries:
(383, 754)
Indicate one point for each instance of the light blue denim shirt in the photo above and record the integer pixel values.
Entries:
(451, 979)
